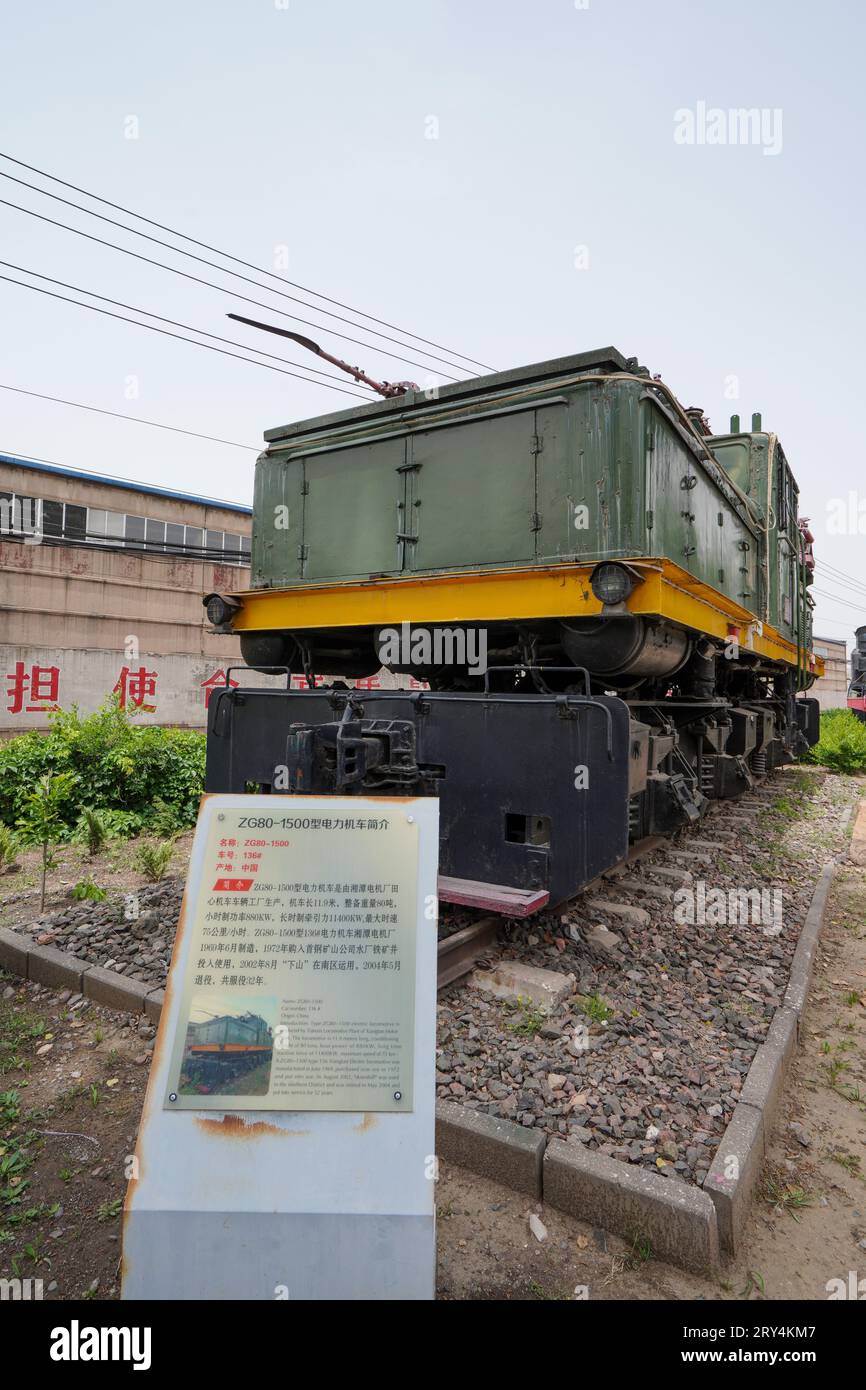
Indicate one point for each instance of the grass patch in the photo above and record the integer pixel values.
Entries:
(641, 1251)
(18, 1028)
(785, 1196)
(527, 1018)
(842, 745)
(594, 1007)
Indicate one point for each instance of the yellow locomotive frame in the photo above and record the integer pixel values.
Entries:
(507, 595)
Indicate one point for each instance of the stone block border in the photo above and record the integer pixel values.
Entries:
(677, 1218)
(45, 965)
(737, 1164)
(687, 1225)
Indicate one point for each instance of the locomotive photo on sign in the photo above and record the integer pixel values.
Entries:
(223, 1049)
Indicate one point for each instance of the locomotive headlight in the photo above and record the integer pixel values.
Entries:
(220, 611)
(613, 583)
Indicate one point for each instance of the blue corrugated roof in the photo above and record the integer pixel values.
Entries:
(43, 466)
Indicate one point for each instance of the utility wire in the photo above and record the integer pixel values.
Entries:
(119, 304)
(197, 280)
(839, 577)
(118, 207)
(120, 415)
(837, 598)
(94, 308)
(375, 347)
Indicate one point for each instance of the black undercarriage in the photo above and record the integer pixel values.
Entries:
(539, 787)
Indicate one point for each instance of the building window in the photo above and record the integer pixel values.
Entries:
(68, 521)
(74, 522)
(155, 534)
(135, 529)
(52, 519)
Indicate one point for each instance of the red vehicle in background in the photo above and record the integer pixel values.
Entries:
(857, 688)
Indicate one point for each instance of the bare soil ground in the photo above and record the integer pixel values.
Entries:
(72, 1079)
(115, 869)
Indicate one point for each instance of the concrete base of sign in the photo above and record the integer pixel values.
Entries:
(266, 1202)
(265, 1255)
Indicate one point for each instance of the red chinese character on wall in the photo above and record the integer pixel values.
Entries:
(133, 687)
(210, 685)
(44, 687)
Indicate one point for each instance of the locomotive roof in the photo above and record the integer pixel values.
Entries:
(600, 359)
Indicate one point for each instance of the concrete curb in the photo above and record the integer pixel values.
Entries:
(497, 1149)
(13, 952)
(107, 987)
(46, 965)
(763, 1085)
(734, 1171)
(153, 1004)
(678, 1219)
(736, 1167)
(857, 847)
(801, 965)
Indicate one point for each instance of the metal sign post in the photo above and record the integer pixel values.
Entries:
(286, 1148)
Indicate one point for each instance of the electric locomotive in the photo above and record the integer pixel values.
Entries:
(601, 608)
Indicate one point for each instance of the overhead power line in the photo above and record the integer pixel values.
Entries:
(223, 270)
(135, 419)
(837, 598)
(197, 280)
(166, 333)
(118, 207)
(119, 304)
(839, 577)
(834, 622)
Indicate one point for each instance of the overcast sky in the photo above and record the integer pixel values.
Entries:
(509, 179)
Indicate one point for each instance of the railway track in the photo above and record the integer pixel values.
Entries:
(459, 952)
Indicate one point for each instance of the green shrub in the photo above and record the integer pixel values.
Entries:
(842, 745)
(9, 847)
(42, 820)
(153, 860)
(119, 825)
(136, 777)
(88, 891)
(163, 820)
(92, 829)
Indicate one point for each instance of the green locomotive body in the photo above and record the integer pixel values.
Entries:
(580, 459)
